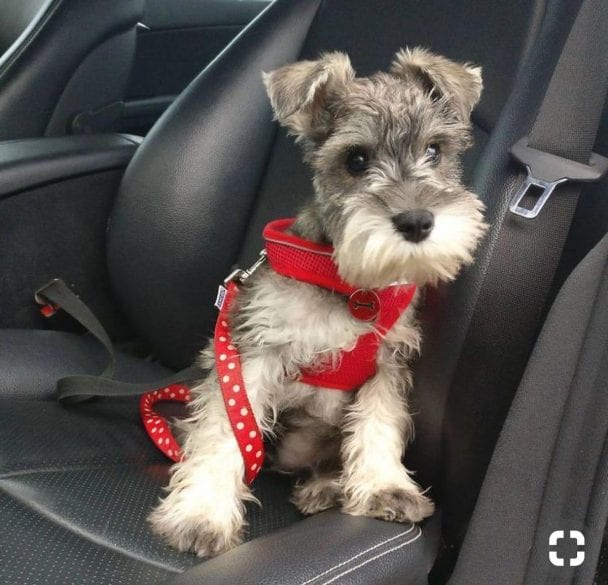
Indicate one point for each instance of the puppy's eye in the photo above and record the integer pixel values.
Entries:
(357, 160)
(433, 153)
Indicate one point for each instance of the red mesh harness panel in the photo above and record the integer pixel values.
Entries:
(313, 263)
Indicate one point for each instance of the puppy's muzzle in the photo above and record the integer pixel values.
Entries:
(414, 225)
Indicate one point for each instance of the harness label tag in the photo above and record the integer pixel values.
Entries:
(221, 297)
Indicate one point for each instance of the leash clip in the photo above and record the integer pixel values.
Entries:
(240, 275)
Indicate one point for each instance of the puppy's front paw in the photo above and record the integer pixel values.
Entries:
(394, 504)
(189, 529)
(317, 494)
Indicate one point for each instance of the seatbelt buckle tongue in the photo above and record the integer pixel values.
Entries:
(546, 171)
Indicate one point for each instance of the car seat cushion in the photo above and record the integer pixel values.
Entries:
(81, 479)
(77, 483)
(31, 362)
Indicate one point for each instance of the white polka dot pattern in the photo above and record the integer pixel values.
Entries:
(239, 410)
(240, 413)
(157, 426)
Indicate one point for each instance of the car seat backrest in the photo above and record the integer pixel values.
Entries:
(211, 173)
(591, 220)
(185, 200)
(71, 57)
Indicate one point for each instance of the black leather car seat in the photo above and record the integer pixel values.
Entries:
(61, 58)
(76, 482)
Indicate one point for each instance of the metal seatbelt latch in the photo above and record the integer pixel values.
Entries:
(546, 171)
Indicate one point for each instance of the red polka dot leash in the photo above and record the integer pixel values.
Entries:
(228, 365)
(157, 426)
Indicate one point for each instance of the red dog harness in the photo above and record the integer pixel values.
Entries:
(307, 262)
(313, 263)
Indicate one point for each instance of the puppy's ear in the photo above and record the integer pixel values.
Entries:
(458, 83)
(301, 93)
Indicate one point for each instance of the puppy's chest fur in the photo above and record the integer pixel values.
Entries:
(301, 326)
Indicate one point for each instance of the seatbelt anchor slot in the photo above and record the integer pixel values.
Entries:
(546, 171)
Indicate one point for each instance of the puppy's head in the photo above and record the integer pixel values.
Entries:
(385, 154)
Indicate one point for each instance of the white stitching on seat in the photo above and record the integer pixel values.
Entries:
(374, 558)
(412, 526)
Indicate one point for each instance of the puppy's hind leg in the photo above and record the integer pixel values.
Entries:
(312, 446)
(204, 511)
(319, 492)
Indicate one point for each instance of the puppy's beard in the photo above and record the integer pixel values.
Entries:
(371, 253)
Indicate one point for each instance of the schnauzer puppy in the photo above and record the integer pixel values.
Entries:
(384, 151)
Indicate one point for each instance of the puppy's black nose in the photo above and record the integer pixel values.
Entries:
(415, 225)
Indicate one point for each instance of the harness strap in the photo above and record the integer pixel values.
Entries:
(313, 263)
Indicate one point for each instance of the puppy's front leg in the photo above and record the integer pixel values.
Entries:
(204, 510)
(376, 483)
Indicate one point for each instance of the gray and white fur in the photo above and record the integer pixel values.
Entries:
(384, 151)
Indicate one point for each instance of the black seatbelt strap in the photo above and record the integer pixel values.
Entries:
(558, 153)
(558, 158)
(82, 387)
(57, 295)
(525, 252)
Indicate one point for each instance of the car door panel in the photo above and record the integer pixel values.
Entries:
(176, 40)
